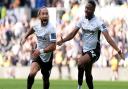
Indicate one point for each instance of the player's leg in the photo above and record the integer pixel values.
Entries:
(46, 71)
(33, 71)
(84, 59)
(80, 76)
(46, 82)
(94, 56)
(88, 74)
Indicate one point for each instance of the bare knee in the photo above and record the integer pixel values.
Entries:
(33, 74)
(83, 60)
(34, 69)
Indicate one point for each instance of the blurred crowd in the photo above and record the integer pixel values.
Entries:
(17, 16)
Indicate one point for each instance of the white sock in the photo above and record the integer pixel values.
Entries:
(79, 87)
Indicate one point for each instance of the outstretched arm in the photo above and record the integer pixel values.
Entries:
(112, 43)
(68, 37)
(30, 31)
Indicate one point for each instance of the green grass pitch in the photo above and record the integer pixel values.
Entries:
(61, 84)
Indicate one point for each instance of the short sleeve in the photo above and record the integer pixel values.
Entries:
(78, 24)
(52, 35)
(103, 27)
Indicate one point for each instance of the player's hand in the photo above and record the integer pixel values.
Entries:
(36, 53)
(60, 42)
(121, 54)
(22, 41)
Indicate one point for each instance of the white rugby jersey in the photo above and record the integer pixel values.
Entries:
(45, 35)
(91, 30)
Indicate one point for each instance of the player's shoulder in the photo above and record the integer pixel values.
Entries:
(36, 24)
(51, 27)
(99, 21)
(82, 18)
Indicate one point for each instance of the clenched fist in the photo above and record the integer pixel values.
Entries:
(36, 53)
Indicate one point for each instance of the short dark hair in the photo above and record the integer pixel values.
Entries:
(92, 2)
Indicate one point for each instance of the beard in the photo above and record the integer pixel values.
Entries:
(44, 22)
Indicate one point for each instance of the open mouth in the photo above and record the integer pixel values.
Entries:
(44, 21)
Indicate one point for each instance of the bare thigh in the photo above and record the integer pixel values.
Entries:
(84, 59)
(34, 68)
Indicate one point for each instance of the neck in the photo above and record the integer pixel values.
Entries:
(89, 17)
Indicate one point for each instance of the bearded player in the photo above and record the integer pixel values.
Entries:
(43, 55)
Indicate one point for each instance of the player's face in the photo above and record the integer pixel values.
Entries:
(44, 16)
(89, 10)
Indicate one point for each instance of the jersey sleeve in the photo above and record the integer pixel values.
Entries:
(103, 27)
(35, 25)
(52, 35)
(34, 28)
(78, 24)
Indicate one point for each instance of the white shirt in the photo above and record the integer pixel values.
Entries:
(91, 30)
(45, 35)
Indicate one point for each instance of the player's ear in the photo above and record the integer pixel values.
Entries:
(38, 14)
